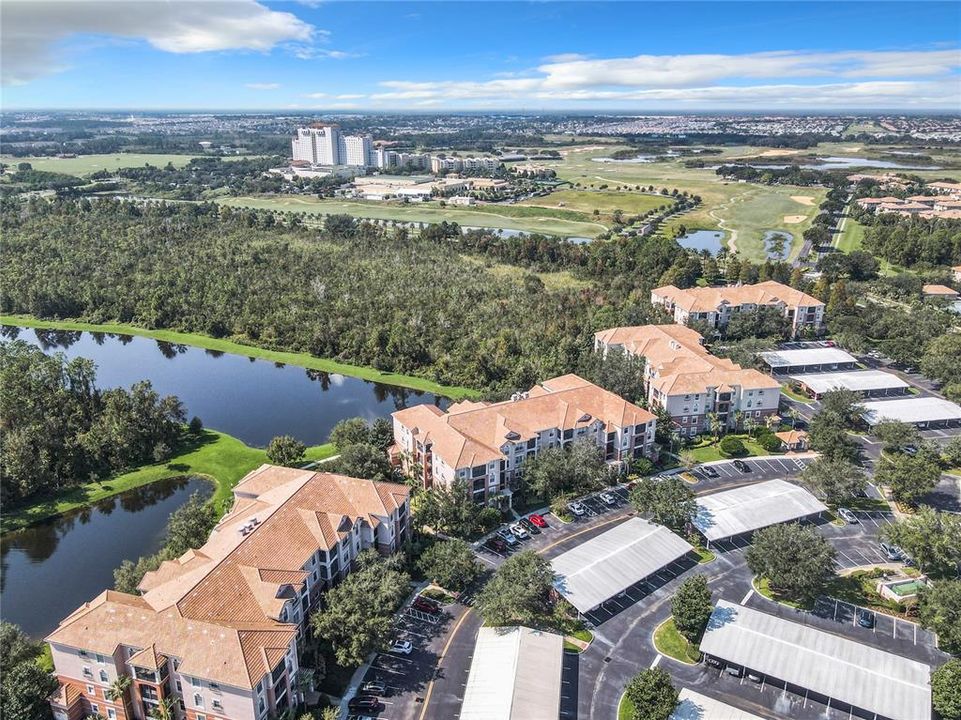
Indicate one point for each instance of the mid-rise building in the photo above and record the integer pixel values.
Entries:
(458, 164)
(215, 633)
(486, 444)
(716, 305)
(691, 385)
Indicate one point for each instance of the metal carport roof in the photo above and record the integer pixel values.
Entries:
(604, 566)
(857, 380)
(807, 356)
(860, 675)
(744, 509)
(515, 674)
(911, 410)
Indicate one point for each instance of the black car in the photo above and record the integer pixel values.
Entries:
(710, 471)
(865, 618)
(497, 545)
(363, 702)
(530, 527)
(742, 466)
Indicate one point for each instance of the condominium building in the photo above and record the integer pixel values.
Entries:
(486, 444)
(214, 633)
(459, 164)
(327, 145)
(716, 305)
(684, 379)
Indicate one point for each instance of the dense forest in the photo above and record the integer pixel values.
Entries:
(60, 429)
(913, 241)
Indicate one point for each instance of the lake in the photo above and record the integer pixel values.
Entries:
(253, 400)
(48, 570)
(710, 240)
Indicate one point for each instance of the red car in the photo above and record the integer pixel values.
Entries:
(425, 605)
(538, 520)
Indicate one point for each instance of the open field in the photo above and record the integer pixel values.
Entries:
(509, 217)
(604, 201)
(220, 458)
(86, 164)
(562, 280)
(850, 239)
(228, 346)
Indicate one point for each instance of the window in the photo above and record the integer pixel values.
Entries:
(201, 717)
(87, 672)
(198, 700)
(101, 659)
(82, 653)
(111, 714)
(94, 709)
(91, 690)
(180, 688)
(217, 705)
(103, 676)
(196, 682)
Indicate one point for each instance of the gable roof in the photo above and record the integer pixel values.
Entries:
(709, 299)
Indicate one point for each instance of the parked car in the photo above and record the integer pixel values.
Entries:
(865, 618)
(373, 687)
(425, 605)
(890, 552)
(496, 544)
(710, 471)
(713, 661)
(734, 670)
(902, 556)
(848, 516)
(529, 526)
(519, 531)
(537, 520)
(363, 702)
(753, 676)
(909, 450)
(508, 536)
(608, 498)
(402, 647)
(578, 509)
(742, 466)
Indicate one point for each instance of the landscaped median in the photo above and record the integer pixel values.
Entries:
(669, 641)
(206, 342)
(578, 641)
(218, 457)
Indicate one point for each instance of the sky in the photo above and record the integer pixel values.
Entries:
(621, 56)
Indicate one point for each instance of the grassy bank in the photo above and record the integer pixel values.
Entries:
(220, 458)
(708, 450)
(669, 641)
(229, 346)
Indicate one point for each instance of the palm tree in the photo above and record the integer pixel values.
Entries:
(163, 711)
(714, 422)
(688, 461)
(118, 689)
(738, 419)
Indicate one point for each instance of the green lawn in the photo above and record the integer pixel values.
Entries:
(668, 641)
(229, 346)
(625, 709)
(708, 451)
(704, 556)
(604, 201)
(852, 237)
(796, 396)
(584, 635)
(859, 588)
(218, 457)
(763, 586)
(511, 217)
(87, 164)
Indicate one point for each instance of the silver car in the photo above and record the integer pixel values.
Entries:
(848, 515)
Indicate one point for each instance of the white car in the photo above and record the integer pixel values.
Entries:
(519, 531)
(507, 536)
(402, 647)
(608, 498)
(848, 515)
(578, 509)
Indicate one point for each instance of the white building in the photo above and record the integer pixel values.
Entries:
(327, 145)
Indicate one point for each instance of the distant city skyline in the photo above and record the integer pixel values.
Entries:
(314, 56)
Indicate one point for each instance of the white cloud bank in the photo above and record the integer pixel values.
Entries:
(32, 29)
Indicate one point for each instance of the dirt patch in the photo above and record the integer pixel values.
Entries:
(804, 199)
(794, 219)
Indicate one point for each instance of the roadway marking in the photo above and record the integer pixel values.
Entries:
(748, 596)
(656, 662)
(443, 653)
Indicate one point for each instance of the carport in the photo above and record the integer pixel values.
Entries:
(743, 510)
(609, 564)
(819, 359)
(694, 706)
(515, 674)
(870, 383)
(923, 412)
(822, 666)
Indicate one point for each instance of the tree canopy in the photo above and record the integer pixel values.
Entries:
(797, 560)
(519, 592)
(555, 471)
(836, 480)
(691, 607)
(669, 500)
(939, 609)
(931, 538)
(24, 685)
(449, 563)
(652, 695)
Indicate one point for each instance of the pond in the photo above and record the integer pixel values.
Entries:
(710, 240)
(777, 244)
(253, 400)
(511, 233)
(48, 570)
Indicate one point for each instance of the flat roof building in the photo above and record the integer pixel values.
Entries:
(816, 359)
(745, 509)
(694, 706)
(870, 383)
(515, 674)
(828, 667)
(924, 412)
(604, 566)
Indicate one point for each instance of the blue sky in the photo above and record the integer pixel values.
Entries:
(244, 54)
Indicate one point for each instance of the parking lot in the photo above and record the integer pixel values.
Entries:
(762, 468)
(857, 544)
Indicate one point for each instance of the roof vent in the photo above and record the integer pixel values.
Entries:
(584, 418)
(513, 435)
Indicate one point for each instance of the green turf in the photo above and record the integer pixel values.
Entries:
(763, 586)
(668, 641)
(625, 709)
(704, 556)
(216, 456)
(87, 164)
(709, 451)
(228, 346)
(509, 217)
(604, 201)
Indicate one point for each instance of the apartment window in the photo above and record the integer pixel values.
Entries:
(103, 676)
(196, 682)
(201, 717)
(217, 706)
(198, 700)
(101, 659)
(94, 709)
(111, 714)
(91, 690)
(684, 420)
(87, 672)
(180, 688)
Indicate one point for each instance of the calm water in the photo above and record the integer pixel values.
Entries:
(709, 240)
(253, 400)
(48, 570)
(788, 242)
(840, 163)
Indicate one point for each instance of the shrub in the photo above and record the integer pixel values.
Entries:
(769, 442)
(642, 466)
(731, 446)
(559, 506)
(196, 425)
(488, 518)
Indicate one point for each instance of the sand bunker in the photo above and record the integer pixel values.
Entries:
(794, 219)
(803, 199)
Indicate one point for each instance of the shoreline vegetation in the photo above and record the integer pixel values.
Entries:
(215, 456)
(206, 342)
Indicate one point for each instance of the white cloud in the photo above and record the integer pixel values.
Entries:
(262, 86)
(316, 96)
(350, 96)
(309, 52)
(32, 29)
